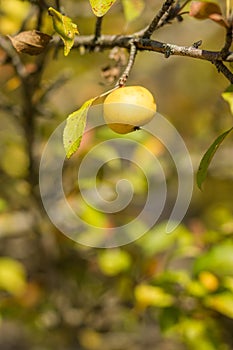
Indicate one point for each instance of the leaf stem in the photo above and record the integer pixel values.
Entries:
(98, 27)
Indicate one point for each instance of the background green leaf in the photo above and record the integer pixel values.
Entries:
(100, 7)
(218, 260)
(206, 159)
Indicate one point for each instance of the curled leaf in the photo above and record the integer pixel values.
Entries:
(207, 10)
(203, 9)
(65, 28)
(206, 159)
(31, 42)
(216, 17)
(100, 7)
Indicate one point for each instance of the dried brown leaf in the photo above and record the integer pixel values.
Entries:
(216, 17)
(203, 9)
(207, 10)
(31, 42)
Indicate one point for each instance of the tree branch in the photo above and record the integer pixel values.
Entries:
(110, 41)
(30, 81)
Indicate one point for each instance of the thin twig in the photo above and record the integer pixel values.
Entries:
(228, 41)
(58, 7)
(13, 110)
(60, 81)
(132, 55)
(153, 25)
(175, 11)
(224, 70)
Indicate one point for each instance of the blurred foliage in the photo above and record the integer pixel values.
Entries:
(163, 291)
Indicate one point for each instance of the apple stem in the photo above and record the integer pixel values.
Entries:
(132, 55)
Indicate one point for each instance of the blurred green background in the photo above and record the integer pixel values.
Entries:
(160, 292)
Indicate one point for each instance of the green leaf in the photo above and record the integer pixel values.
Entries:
(74, 128)
(100, 7)
(157, 240)
(228, 96)
(65, 28)
(132, 9)
(206, 159)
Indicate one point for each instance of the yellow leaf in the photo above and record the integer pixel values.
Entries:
(74, 128)
(76, 123)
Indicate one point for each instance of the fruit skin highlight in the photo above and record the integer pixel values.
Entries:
(128, 108)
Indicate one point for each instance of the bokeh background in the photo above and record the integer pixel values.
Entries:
(162, 291)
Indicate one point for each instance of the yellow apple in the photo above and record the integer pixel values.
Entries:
(128, 108)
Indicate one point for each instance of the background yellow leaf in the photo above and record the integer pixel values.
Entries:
(100, 7)
(12, 276)
(132, 9)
